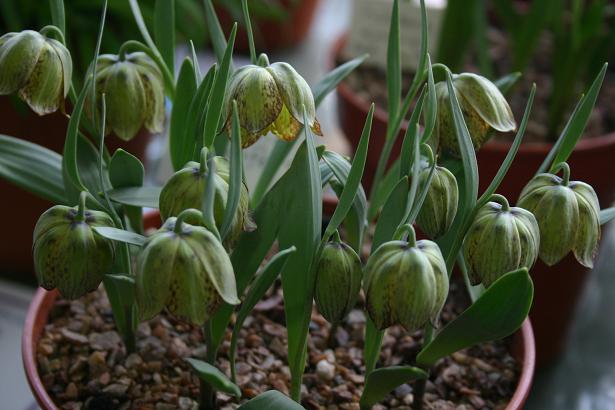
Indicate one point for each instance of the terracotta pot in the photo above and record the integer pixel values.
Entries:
(555, 298)
(25, 208)
(523, 346)
(272, 35)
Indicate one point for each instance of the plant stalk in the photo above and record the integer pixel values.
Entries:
(207, 395)
(419, 389)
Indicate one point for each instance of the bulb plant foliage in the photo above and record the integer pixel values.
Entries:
(214, 250)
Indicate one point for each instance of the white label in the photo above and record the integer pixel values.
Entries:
(369, 30)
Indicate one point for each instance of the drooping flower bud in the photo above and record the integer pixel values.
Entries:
(270, 98)
(338, 280)
(37, 67)
(405, 283)
(184, 268)
(483, 107)
(440, 207)
(185, 190)
(568, 216)
(134, 93)
(501, 239)
(68, 253)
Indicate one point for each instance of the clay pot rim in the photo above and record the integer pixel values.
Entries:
(37, 316)
(542, 148)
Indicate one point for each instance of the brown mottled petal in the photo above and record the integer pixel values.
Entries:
(43, 91)
(19, 53)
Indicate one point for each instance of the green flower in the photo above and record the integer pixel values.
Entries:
(272, 99)
(134, 94)
(184, 268)
(501, 239)
(568, 216)
(406, 283)
(68, 253)
(37, 67)
(338, 280)
(186, 188)
(483, 106)
(440, 207)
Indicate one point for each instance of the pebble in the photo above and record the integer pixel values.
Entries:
(104, 341)
(133, 360)
(74, 337)
(97, 364)
(116, 389)
(325, 370)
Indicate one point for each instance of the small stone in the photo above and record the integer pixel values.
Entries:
(402, 390)
(408, 399)
(104, 378)
(179, 348)
(200, 352)
(71, 391)
(186, 403)
(165, 406)
(73, 337)
(116, 389)
(325, 370)
(105, 340)
(133, 360)
(97, 363)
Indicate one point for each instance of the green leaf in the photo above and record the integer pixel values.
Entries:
(607, 215)
(58, 18)
(353, 182)
(272, 400)
(69, 160)
(304, 204)
(258, 289)
(381, 382)
(506, 83)
(215, 31)
(32, 167)
(393, 72)
(215, 102)
(331, 80)
(248, 26)
(236, 172)
(120, 235)
(125, 170)
(392, 213)
(186, 90)
(498, 313)
(209, 195)
(214, 377)
(120, 290)
(189, 146)
(386, 185)
(431, 108)
(276, 158)
(145, 197)
(414, 184)
(576, 125)
(512, 152)
(411, 135)
(356, 220)
(136, 12)
(164, 31)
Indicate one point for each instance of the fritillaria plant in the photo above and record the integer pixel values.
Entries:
(207, 258)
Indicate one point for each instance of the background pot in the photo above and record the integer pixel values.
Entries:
(22, 208)
(555, 297)
(270, 34)
(523, 346)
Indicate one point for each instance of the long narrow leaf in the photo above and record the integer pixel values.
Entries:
(354, 178)
(410, 137)
(393, 73)
(136, 12)
(334, 77)
(215, 103)
(58, 18)
(607, 215)
(273, 400)
(215, 31)
(579, 120)
(69, 159)
(186, 89)
(120, 235)
(146, 197)
(512, 152)
(236, 172)
(261, 284)
(164, 31)
(32, 167)
(214, 377)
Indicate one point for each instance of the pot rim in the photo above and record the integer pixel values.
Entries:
(347, 94)
(38, 314)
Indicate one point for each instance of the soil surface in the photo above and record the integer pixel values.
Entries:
(369, 83)
(83, 365)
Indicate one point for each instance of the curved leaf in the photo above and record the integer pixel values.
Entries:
(186, 89)
(497, 313)
(120, 235)
(382, 381)
(272, 400)
(146, 197)
(214, 377)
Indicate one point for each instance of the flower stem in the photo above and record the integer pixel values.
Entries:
(403, 230)
(169, 81)
(419, 389)
(45, 31)
(565, 168)
(501, 199)
(207, 393)
(81, 206)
